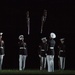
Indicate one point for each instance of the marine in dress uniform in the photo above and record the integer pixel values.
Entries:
(51, 52)
(1, 50)
(22, 53)
(42, 53)
(61, 55)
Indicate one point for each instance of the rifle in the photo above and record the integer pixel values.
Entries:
(28, 22)
(43, 19)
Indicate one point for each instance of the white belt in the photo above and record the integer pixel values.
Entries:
(22, 48)
(51, 47)
(42, 50)
(61, 51)
(2, 47)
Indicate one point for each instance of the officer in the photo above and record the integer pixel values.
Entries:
(61, 55)
(22, 52)
(50, 52)
(1, 50)
(42, 53)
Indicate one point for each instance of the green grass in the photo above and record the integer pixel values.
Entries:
(36, 72)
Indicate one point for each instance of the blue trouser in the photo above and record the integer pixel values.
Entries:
(42, 63)
(1, 61)
(50, 63)
(62, 62)
(22, 62)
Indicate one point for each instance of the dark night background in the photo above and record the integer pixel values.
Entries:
(60, 19)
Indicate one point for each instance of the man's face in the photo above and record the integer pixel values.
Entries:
(43, 40)
(22, 39)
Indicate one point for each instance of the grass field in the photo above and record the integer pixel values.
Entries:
(36, 72)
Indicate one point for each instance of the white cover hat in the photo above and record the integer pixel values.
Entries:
(1, 34)
(21, 36)
(52, 35)
(44, 38)
(62, 38)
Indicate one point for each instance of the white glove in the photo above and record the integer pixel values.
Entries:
(39, 55)
(46, 54)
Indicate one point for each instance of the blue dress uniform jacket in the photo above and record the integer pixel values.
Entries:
(2, 48)
(51, 45)
(43, 49)
(62, 49)
(22, 48)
